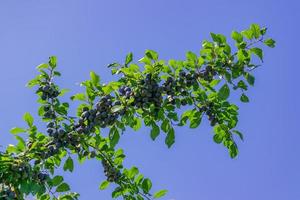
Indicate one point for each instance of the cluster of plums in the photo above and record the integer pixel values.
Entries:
(209, 110)
(49, 91)
(111, 173)
(102, 115)
(147, 93)
(42, 177)
(60, 139)
(187, 79)
(125, 91)
(174, 87)
(208, 73)
(48, 112)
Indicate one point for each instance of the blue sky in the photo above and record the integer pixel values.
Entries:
(87, 35)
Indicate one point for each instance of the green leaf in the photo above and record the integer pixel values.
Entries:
(45, 197)
(224, 92)
(165, 126)
(214, 82)
(190, 56)
(95, 78)
(218, 38)
(117, 192)
(25, 187)
(129, 58)
(63, 91)
(57, 180)
(79, 96)
(42, 66)
(33, 82)
(139, 197)
(132, 172)
(137, 124)
(146, 185)
(218, 138)
(233, 150)
(242, 84)
(154, 131)
(114, 137)
(258, 52)
(113, 65)
(11, 149)
(52, 61)
(69, 165)
(17, 130)
(145, 60)
(237, 36)
(151, 54)
(104, 185)
(242, 55)
(263, 31)
(28, 119)
(244, 98)
(270, 42)
(247, 34)
(170, 139)
(255, 30)
(56, 73)
(21, 143)
(195, 119)
(138, 179)
(185, 116)
(64, 187)
(160, 193)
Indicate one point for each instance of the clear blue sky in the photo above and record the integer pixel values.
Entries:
(87, 35)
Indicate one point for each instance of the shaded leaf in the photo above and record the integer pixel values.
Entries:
(224, 92)
(250, 79)
(64, 187)
(170, 139)
(270, 42)
(146, 185)
(57, 180)
(154, 131)
(69, 165)
(244, 98)
(195, 119)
